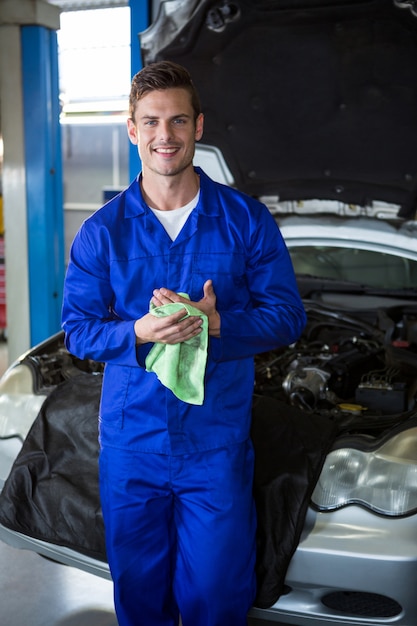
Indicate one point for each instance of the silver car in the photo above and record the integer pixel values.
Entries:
(311, 107)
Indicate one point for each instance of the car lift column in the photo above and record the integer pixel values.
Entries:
(32, 172)
(140, 18)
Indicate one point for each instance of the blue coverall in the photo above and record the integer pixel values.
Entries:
(176, 478)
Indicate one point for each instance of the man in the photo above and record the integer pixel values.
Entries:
(176, 474)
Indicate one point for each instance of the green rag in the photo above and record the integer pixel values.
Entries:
(181, 366)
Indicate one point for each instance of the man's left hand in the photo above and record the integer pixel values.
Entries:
(206, 305)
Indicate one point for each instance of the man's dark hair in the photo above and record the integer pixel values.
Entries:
(158, 76)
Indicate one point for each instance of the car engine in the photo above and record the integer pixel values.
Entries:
(361, 365)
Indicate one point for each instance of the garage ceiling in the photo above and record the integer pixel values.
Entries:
(79, 5)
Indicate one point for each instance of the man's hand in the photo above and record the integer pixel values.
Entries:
(206, 305)
(170, 329)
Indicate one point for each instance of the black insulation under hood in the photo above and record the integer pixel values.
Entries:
(306, 99)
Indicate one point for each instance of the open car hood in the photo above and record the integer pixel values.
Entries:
(306, 99)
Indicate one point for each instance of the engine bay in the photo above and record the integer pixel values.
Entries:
(353, 367)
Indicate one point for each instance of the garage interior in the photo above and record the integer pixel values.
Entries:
(47, 137)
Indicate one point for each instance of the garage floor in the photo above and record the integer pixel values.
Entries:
(38, 592)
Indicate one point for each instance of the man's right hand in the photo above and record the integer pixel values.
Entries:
(171, 329)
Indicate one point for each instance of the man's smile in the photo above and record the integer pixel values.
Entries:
(166, 150)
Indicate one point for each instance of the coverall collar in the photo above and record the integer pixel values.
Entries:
(137, 206)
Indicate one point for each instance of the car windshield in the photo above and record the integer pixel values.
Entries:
(365, 267)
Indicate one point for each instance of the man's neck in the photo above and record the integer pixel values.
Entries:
(167, 193)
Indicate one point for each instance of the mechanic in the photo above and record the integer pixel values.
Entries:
(176, 474)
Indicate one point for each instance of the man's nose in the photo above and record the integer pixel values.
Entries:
(165, 131)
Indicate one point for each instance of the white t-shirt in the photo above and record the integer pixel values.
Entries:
(174, 220)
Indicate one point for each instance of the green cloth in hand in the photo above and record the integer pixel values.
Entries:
(181, 367)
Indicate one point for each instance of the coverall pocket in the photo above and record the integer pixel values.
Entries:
(115, 386)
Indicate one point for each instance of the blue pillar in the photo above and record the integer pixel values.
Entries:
(140, 17)
(43, 164)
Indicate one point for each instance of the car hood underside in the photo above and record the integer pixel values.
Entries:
(304, 98)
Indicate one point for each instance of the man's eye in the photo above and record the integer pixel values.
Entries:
(179, 121)
(150, 123)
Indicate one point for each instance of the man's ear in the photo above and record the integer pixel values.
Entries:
(131, 131)
(199, 125)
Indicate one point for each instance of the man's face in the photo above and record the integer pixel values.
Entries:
(165, 131)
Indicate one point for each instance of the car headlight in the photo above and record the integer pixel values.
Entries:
(19, 405)
(383, 479)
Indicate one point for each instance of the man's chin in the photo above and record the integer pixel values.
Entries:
(172, 170)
